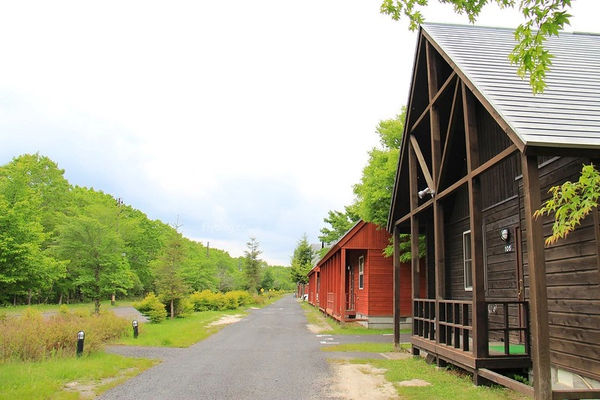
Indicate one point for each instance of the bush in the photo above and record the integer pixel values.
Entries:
(32, 337)
(207, 300)
(152, 308)
(183, 307)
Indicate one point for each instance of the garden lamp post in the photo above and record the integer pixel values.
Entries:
(80, 339)
(134, 323)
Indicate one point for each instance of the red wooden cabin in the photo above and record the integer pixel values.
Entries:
(354, 280)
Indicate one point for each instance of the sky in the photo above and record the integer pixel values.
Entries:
(239, 118)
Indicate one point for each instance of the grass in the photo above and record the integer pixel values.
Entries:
(47, 379)
(445, 384)
(178, 332)
(104, 305)
(330, 325)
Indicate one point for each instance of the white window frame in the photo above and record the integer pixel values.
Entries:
(361, 272)
(467, 261)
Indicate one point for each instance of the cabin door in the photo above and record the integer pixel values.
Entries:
(504, 270)
(350, 288)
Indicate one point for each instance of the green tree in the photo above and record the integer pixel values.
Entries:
(252, 265)
(95, 254)
(542, 19)
(169, 282)
(339, 223)
(301, 261)
(267, 280)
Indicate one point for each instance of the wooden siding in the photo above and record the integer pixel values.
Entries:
(573, 285)
(380, 284)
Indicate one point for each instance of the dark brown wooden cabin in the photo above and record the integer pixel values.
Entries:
(353, 281)
(478, 155)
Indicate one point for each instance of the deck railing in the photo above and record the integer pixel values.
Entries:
(500, 315)
(330, 300)
(507, 322)
(455, 323)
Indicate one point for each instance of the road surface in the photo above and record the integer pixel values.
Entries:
(268, 355)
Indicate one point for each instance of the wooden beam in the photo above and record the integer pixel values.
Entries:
(538, 296)
(432, 81)
(397, 282)
(486, 104)
(575, 394)
(479, 170)
(414, 225)
(449, 137)
(433, 101)
(422, 163)
(505, 381)
(480, 328)
(596, 215)
(343, 281)
(440, 259)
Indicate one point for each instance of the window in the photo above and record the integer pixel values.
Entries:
(361, 272)
(467, 260)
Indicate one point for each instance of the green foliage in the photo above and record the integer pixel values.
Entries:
(32, 337)
(211, 301)
(252, 265)
(542, 19)
(170, 286)
(571, 203)
(339, 222)
(301, 261)
(152, 308)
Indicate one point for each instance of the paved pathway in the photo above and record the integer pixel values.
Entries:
(268, 355)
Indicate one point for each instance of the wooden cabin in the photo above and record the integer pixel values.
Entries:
(479, 153)
(354, 282)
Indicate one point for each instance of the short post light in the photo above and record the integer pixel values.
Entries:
(80, 339)
(134, 323)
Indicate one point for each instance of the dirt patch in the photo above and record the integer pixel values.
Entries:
(316, 328)
(87, 390)
(226, 320)
(414, 383)
(361, 381)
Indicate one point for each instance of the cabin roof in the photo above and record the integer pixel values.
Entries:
(567, 114)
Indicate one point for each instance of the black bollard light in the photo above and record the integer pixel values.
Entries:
(80, 338)
(134, 323)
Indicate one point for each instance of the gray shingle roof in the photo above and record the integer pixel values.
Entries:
(567, 114)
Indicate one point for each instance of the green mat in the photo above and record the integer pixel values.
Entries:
(512, 348)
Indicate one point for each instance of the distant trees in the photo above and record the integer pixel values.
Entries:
(301, 261)
(60, 242)
(252, 265)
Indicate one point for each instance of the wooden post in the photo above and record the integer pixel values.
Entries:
(397, 296)
(480, 328)
(414, 234)
(538, 296)
(343, 291)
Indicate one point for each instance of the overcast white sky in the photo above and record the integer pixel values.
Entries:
(245, 118)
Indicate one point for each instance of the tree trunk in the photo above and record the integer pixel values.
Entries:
(60, 299)
(97, 305)
(112, 300)
(15, 300)
(172, 310)
(29, 297)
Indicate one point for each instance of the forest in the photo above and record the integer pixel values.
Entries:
(61, 243)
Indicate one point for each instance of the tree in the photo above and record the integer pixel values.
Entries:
(571, 203)
(170, 285)
(267, 280)
(252, 265)
(340, 222)
(301, 261)
(95, 256)
(542, 19)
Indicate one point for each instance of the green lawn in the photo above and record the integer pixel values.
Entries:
(330, 325)
(47, 379)
(178, 332)
(513, 348)
(366, 347)
(445, 384)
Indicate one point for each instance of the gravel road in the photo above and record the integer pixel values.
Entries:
(268, 355)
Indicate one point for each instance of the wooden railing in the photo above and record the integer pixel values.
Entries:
(455, 323)
(424, 318)
(499, 316)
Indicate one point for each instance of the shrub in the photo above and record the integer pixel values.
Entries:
(32, 337)
(202, 301)
(183, 307)
(152, 308)
(207, 300)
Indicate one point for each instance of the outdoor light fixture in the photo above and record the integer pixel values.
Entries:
(425, 192)
(134, 323)
(505, 234)
(80, 338)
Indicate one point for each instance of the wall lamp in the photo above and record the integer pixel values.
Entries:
(425, 192)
